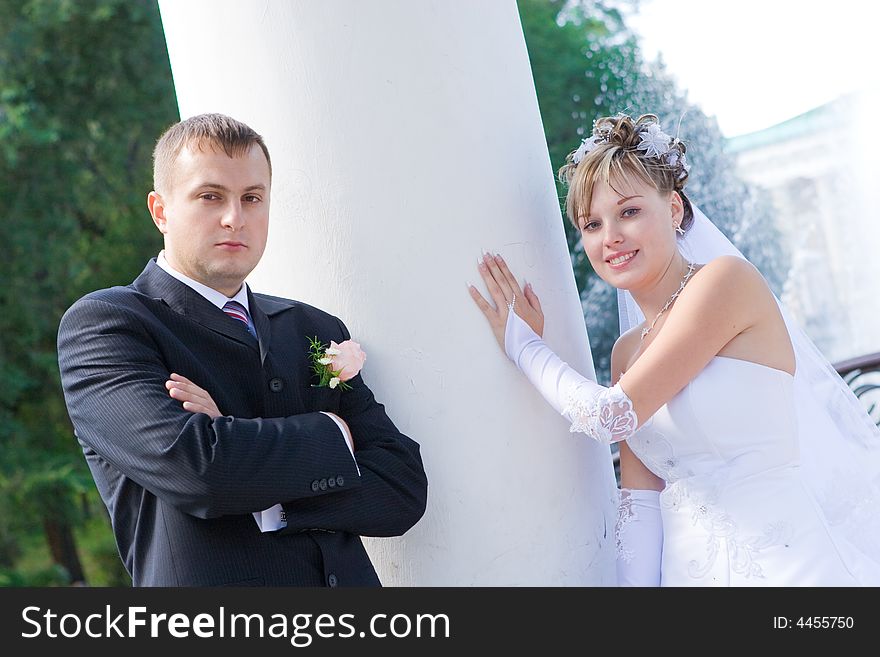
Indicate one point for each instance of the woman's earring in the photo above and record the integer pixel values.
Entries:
(679, 230)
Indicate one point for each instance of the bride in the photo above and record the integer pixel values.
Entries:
(745, 460)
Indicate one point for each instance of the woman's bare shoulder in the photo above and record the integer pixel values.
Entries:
(624, 349)
(727, 270)
(730, 279)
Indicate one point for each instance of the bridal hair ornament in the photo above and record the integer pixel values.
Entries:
(654, 142)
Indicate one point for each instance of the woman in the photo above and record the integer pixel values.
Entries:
(722, 433)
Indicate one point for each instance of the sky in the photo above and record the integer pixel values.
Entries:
(755, 63)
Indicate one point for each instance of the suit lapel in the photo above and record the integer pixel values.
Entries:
(181, 298)
(261, 324)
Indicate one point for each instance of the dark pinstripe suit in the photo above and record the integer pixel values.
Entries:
(181, 487)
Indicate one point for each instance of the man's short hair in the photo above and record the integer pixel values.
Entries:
(205, 131)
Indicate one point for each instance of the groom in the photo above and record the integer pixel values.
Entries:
(193, 399)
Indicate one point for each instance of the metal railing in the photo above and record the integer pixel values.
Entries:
(862, 375)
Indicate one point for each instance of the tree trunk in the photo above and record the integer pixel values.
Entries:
(62, 545)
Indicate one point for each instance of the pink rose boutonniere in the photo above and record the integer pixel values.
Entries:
(336, 364)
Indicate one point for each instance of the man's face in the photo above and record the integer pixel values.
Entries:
(215, 216)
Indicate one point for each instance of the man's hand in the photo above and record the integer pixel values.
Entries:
(194, 398)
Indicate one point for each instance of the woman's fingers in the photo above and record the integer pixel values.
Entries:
(496, 320)
(509, 278)
(500, 289)
(534, 315)
(490, 313)
(532, 298)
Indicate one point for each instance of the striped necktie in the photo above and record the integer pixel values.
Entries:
(237, 311)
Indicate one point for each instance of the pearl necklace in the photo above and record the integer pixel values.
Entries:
(687, 277)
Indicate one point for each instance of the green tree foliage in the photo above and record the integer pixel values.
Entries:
(85, 88)
(587, 63)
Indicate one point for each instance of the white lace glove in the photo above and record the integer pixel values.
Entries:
(639, 535)
(605, 414)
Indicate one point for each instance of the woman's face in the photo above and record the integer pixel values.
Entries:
(629, 234)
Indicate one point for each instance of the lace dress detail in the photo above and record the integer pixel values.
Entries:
(639, 537)
(605, 414)
(721, 533)
(657, 454)
(625, 515)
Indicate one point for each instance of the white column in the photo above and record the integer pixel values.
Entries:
(405, 136)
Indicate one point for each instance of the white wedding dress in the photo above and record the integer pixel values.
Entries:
(735, 510)
(750, 498)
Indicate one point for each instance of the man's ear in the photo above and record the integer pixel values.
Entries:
(156, 205)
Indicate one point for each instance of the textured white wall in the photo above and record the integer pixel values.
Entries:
(405, 137)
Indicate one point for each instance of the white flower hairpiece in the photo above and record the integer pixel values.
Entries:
(654, 142)
(586, 146)
(675, 157)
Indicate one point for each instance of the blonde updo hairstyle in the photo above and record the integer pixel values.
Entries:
(615, 157)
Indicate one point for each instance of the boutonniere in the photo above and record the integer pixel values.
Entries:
(336, 364)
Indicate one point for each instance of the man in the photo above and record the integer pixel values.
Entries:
(218, 459)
